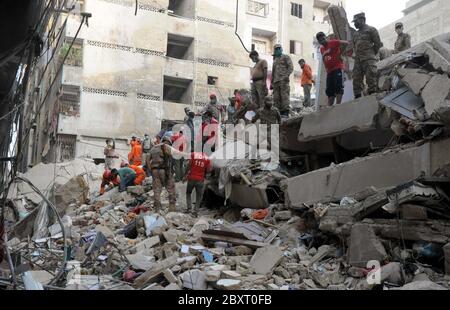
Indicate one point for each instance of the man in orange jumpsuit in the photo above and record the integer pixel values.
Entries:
(135, 156)
(108, 180)
(140, 174)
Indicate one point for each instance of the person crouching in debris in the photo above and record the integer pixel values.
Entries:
(135, 156)
(198, 166)
(140, 173)
(160, 163)
(126, 175)
(109, 181)
(331, 53)
(110, 154)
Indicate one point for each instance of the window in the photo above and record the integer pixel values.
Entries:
(296, 10)
(212, 80)
(180, 47)
(66, 147)
(70, 100)
(177, 90)
(75, 57)
(257, 8)
(296, 47)
(183, 8)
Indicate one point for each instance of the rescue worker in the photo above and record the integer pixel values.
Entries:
(269, 114)
(160, 163)
(126, 175)
(281, 71)
(214, 108)
(198, 166)
(110, 154)
(133, 141)
(306, 81)
(231, 110)
(140, 173)
(108, 181)
(259, 77)
(366, 43)
(135, 156)
(403, 39)
(189, 122)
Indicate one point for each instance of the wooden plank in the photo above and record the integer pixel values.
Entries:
(237, 241)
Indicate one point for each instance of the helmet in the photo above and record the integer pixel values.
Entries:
(107, 174)
(123, 164)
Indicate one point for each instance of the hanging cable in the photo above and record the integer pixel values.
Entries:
(236, 29)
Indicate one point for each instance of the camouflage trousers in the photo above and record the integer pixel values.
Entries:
(282, 96)
(163, 179)
(259, 93)
(367, 69)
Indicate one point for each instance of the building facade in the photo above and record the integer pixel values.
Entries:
(423, 20)
(131, 69)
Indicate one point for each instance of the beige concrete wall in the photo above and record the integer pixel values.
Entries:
(422, 24)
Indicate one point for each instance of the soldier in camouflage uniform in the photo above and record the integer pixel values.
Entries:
(268, 115)
(160, 163)
(367, 43)
(281, 71)
(403, 40)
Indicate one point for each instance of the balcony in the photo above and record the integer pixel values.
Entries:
(179, 68)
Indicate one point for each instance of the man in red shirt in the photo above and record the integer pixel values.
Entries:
(198, 166)
(331, 53)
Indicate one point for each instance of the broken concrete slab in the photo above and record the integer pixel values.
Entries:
(212, 275)
(76, 190)
(194, 279)
(168, 274)
(435, 92)
(364, 246)
(140, 262)
(358, 115)
(252, 197)
(392, 273)
(146, 244)
(155, 271)
(322, 252)
(415, 79)
(230, 274)
(229, 284)
(381, 170)
(283, 215)
(265, 259)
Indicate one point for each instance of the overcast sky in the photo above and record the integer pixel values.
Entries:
(379, 13)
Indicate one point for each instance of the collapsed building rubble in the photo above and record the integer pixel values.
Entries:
(362, 189)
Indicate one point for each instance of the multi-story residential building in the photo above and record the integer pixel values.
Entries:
(423, 20)
(132, 69)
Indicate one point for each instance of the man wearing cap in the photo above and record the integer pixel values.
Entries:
(214, 108)
(160, 163)
(403, 40)
(259, 77)
(281, 71)
(367, 43)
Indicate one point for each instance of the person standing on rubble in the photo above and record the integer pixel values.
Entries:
(366, 43)
(135, 156)
(231, 110)
(269, 115)
(307, 81)
(403, 39)
(178, 163)
(331, 53)
(126, 175)
(281, 72)
(110, 154)
(160, 163)
(198, 166)
(214, 108)
(259, 80)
